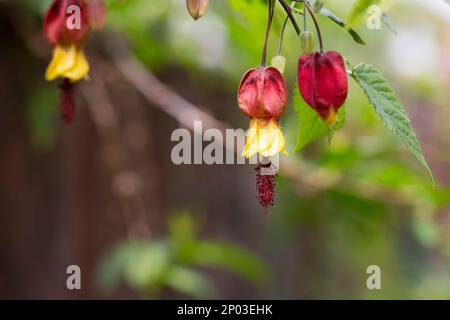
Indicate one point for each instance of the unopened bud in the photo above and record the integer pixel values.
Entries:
(323, 84)
(197, 8)
(279, 62)
(307, 42)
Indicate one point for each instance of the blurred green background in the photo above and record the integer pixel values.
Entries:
(103, 193)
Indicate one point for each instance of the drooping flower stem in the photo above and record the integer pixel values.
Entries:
(269, 25)
(316, 24)
(280, 48)
(305, 27)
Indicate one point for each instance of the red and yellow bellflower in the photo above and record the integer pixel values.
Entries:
(66, 26)
(68, 60)
(262, 97)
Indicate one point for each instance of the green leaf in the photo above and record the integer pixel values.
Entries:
(189, 282)
(112, 265)
(359, 10)
(388, 108)
(140, 263)
(327, 13)
(311, 127)
(230, 257)
(147, 264)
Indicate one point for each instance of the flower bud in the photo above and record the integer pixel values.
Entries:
(56, 20)
(197, 8)
(262, 93)
(323, 83)
(307, 42)
(279, 62)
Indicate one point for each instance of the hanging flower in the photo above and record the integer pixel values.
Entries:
(262, 97)
(323, 83)
(66, 26)
(67, 38)
(197, 8)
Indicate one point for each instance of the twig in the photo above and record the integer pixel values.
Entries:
(288, 10)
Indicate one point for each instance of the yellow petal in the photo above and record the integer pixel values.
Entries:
(63, 60)
(332, 117)
(80, 68)
(264, 137)
(278, 142)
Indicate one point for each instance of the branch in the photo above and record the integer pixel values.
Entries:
(288, 10)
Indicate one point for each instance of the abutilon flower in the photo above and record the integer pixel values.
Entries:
(66, 26)
(262, 97)
(323, 84)
(68, 60)
(197, 8)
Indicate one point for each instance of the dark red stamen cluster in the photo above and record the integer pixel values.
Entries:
(67, 103)
(265, 186)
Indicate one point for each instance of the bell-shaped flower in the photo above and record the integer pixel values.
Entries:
(262, 97)
(322, 80)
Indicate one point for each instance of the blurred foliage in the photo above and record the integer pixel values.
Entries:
(152, 265)
(41, 117)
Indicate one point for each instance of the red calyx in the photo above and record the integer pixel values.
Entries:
(323, 83)
(55, 23)
(262, 93)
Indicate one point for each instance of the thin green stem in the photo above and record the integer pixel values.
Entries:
(288, 10)
(316, 24)
(305, 28)
(282, 35)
